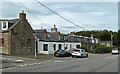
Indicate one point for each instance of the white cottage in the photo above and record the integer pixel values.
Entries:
(49, 42)
(50, 47)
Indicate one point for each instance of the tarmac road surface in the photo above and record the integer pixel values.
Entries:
(94, 63)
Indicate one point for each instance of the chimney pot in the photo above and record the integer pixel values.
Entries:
(72, 33)
(22, 15)
(22, 11)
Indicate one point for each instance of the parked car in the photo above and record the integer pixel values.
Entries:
(115, 51)
(79, 53)
(71, 51)
(62, 53)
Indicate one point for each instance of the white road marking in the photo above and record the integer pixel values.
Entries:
(29, 64)
(58, 61)
(2, 58)
(23, 65)
(82, 58)
(19, 60)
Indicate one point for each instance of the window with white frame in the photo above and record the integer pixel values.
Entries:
(44, 35)
(45, 47)
(4, 25)
(78, 46)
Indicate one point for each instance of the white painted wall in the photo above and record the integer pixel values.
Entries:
(96, 40)
(92, 40)
(51, 46)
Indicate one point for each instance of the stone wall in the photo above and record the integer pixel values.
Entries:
(19, 36)
(5, 48)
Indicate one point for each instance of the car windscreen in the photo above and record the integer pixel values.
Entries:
(115, 49)
(77, 50)
(67, 49)
(71, 49)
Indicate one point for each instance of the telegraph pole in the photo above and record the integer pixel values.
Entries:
(111, 40)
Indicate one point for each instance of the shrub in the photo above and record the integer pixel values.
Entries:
(84, 47)
(103, 49)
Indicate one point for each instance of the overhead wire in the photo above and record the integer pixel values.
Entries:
(51, 11)
(32, 13)
(59, 15)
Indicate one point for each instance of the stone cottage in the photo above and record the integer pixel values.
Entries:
(16, 36)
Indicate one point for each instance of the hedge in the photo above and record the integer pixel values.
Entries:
(102, 49)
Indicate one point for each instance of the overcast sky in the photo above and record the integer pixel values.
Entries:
(90, 15)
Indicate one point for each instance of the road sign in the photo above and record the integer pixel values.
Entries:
(35, 36)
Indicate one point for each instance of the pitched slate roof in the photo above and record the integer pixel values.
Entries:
(53, 36)
(10, 24)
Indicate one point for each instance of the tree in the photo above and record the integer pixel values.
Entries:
(115, 38)
(106, 36)
(103, 35)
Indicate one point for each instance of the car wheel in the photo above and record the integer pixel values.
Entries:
(73, 56)
(86, 55)
(81, 55)
(55, 55)
(63, 55)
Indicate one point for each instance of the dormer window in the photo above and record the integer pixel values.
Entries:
(4, 25)
(75, 38)
(64, 38)
(59, 37)
(44, 35)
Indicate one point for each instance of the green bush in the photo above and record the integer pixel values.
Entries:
(103, 49)
(84, 47)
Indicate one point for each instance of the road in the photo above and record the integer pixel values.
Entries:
(94, 63)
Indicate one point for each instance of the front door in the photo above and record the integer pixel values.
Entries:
(60, 47)
(36, 47)
(54, 47)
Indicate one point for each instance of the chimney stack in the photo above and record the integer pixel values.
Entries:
(91, 35)
(72, 33)
(22, 15)
(54, 29)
